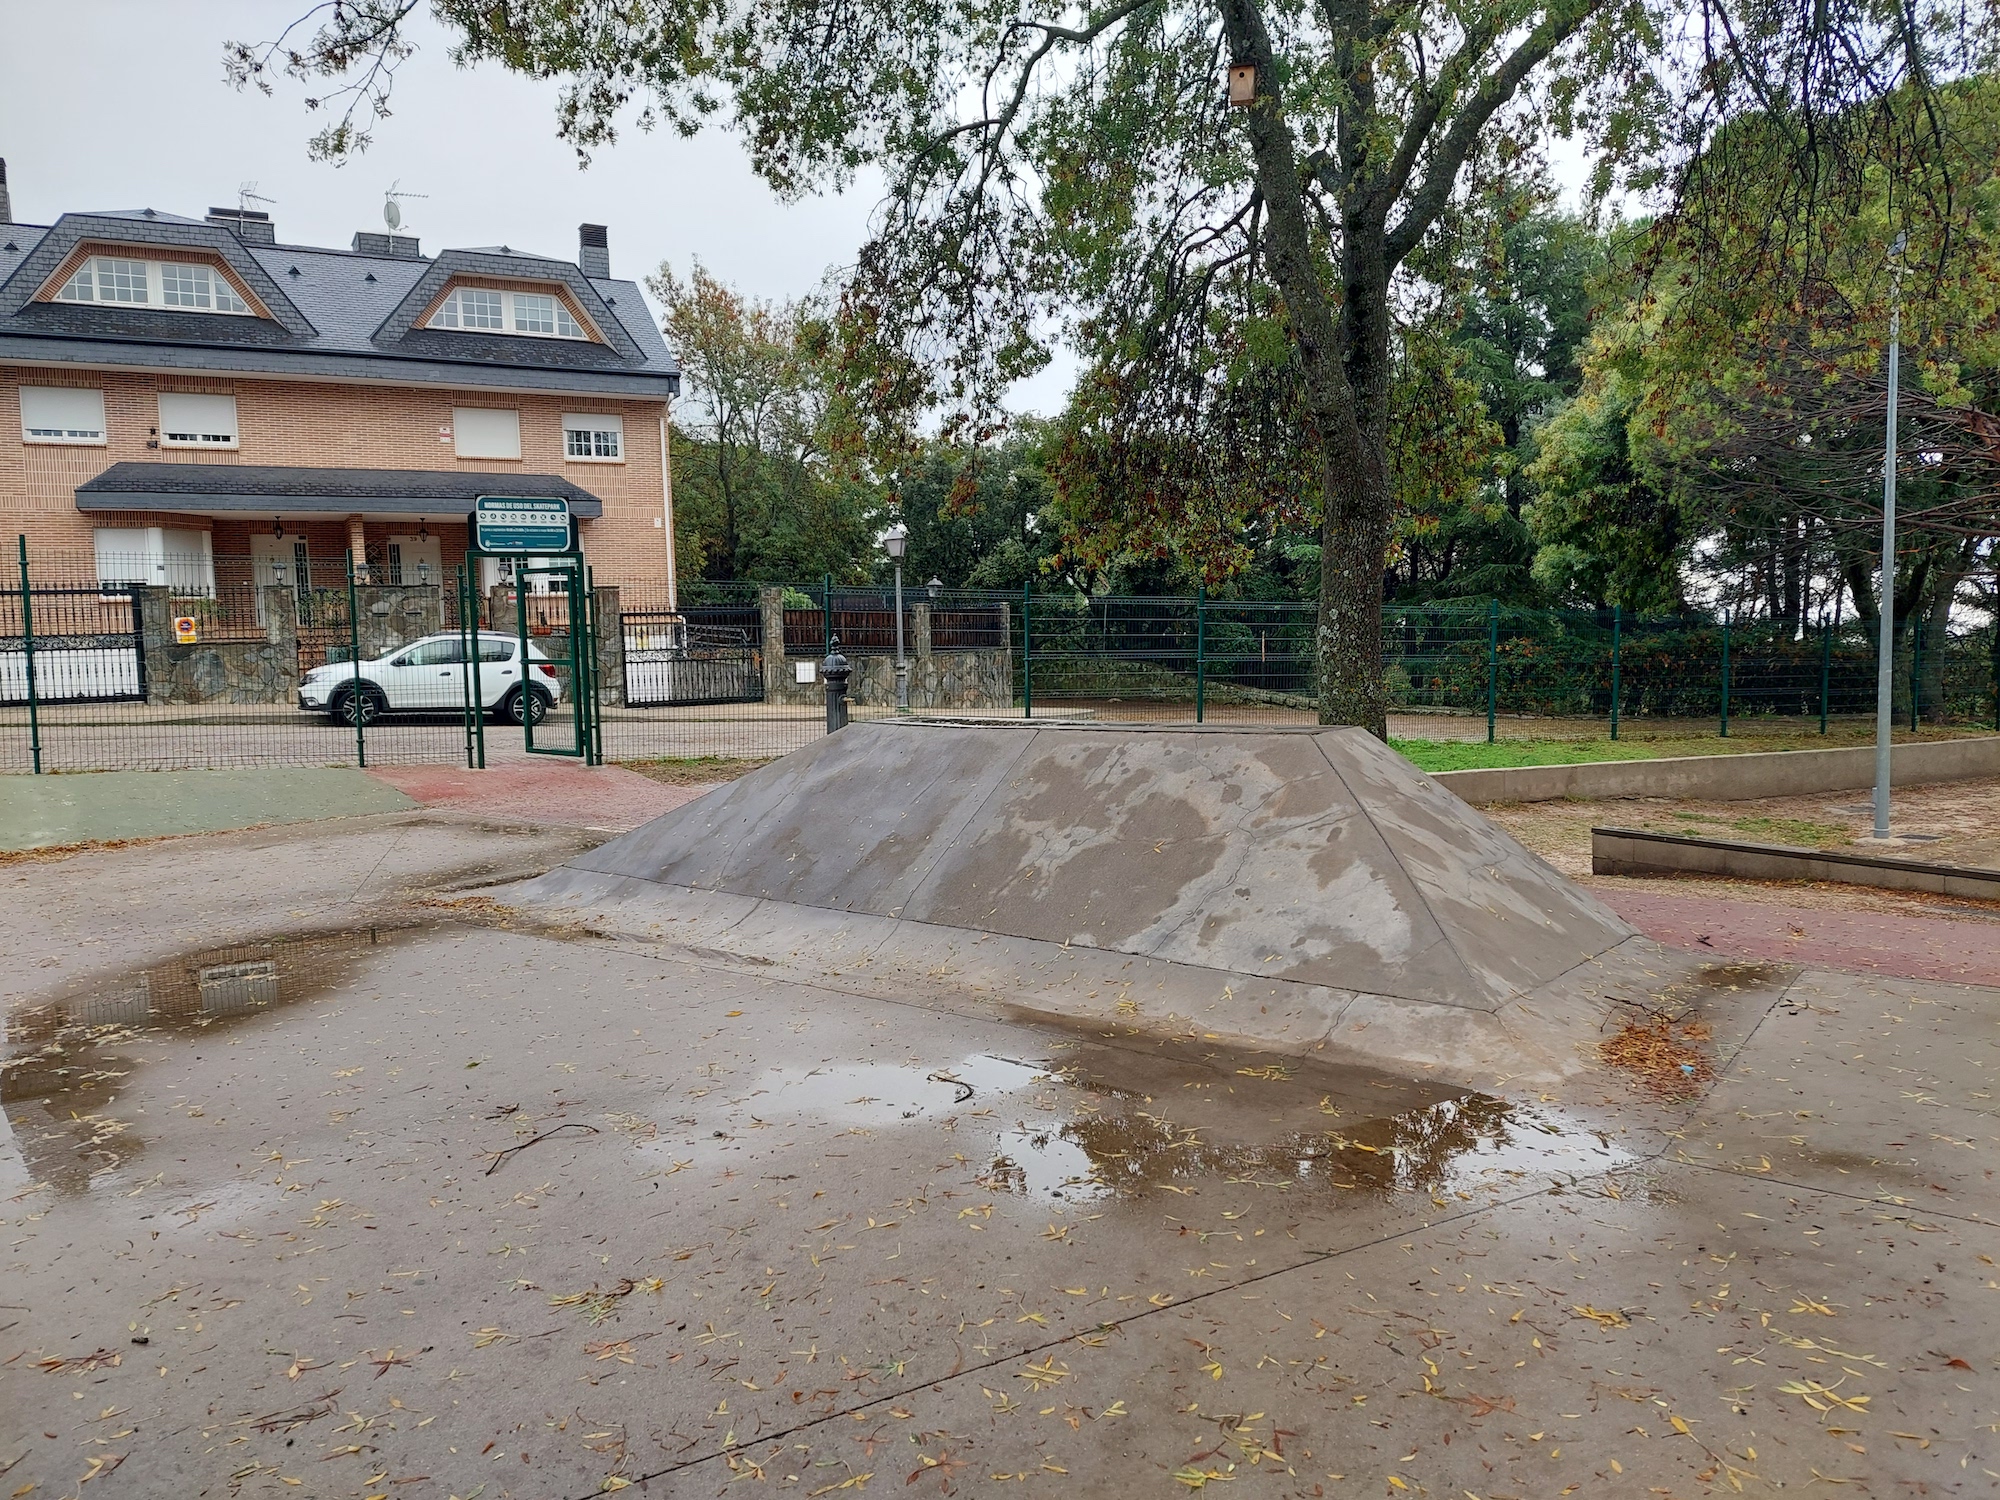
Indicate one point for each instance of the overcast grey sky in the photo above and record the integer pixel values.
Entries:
(122, 104)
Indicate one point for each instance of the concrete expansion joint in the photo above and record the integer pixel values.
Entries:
(1137, 1315)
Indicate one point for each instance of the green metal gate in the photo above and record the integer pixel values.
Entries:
(558, 687)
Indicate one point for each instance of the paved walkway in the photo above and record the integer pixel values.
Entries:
(461, 1209)
(38, 812)
(1962, 947)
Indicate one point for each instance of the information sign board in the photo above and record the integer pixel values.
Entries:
(521, 524)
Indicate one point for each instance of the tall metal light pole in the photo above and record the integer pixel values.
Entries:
(1885, 663)
(894, 540)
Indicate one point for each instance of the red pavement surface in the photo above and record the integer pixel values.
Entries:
(1953, 949)
(549, 791)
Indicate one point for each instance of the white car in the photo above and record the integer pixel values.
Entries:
(429, 675)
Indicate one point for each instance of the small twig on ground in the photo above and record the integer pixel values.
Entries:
(500, 1156)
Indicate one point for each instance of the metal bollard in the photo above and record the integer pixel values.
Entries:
(835, 670)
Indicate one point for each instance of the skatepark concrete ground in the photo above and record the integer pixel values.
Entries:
(324, 1175)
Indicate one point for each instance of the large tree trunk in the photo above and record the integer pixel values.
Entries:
(1950, 571)
(1350, 420)
(1354, 538)
(1860, 576)
(1354, 534)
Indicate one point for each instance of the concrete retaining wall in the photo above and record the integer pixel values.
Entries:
(1725, 778)
(938, 679)
(226, 671)
(394, 614)
(1628, 851)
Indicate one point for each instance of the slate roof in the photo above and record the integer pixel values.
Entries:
(255, 487)
(338, 313)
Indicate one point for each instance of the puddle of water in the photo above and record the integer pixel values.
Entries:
(1745, 975)
(65, 1058)
(865, 1096)
(1093, 1118)
(882, 1093)
(1163, 1115)
(1091, 1121)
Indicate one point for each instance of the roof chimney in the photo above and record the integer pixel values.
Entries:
(6, 203)
(250, 225)
(389, 246)
(593, 250)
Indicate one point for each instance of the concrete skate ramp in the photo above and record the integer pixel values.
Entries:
(1261, 881)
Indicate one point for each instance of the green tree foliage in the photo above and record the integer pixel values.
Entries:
(1608, 529)
(1527, 286)
(1447, 462)
(757, 494)
(1734, 442)
(980, 518)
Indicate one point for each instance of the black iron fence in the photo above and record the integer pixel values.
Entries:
(212, 666)
(71, 645)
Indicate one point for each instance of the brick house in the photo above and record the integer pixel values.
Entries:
(191, 402)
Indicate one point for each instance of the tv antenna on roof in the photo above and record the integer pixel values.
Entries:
(392, 208)
(247, 194)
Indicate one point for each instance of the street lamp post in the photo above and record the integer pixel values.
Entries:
(894, 540)
(1885, 656)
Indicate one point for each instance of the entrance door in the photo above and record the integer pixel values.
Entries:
(282, 560)
(415, 559)
(558, 585)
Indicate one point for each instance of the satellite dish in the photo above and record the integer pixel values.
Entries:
(392, 209)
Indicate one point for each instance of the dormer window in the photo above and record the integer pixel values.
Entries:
(185, 286)
(536, 314)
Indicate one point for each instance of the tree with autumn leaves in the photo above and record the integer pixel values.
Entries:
(1232, 275)
(759, 488)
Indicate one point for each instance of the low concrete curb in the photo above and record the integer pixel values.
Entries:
(1729, 778)
(1628, 851)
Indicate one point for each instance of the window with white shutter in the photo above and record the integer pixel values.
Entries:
(61, 414)
(487, 432)
(593, 438)
(192, 420)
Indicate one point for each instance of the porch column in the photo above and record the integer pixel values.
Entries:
(357, 546)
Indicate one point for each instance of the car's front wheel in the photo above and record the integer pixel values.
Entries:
(524, 706)
(362, 706)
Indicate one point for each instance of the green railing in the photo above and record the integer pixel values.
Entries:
(97, 674)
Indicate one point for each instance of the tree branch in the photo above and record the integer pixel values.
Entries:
(1562, 21)
(1388, 187)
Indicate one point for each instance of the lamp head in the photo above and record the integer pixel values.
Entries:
(895, 539)
(935, 587)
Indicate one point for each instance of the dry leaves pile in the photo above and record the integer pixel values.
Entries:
(1666, 1058)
